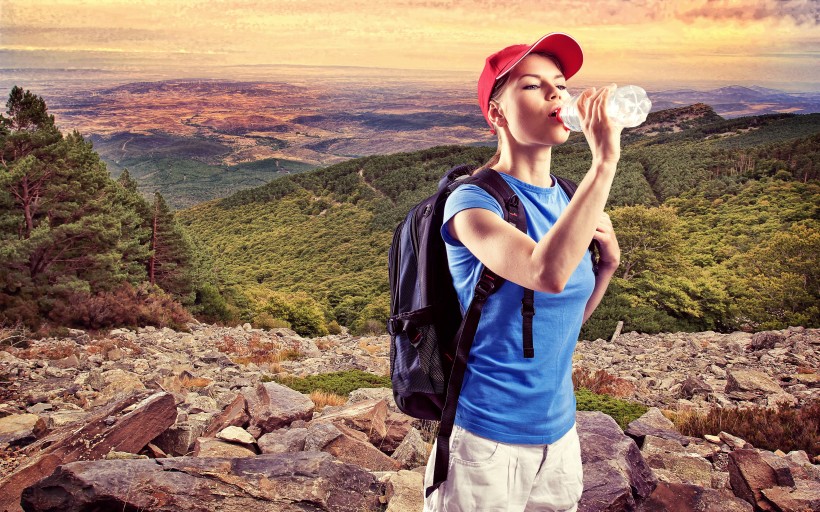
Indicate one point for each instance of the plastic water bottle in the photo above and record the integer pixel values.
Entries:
(627, 106)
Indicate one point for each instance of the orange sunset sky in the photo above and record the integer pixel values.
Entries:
(694, 43)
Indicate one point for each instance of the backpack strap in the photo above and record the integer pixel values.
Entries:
(487, 284)
(492, 182)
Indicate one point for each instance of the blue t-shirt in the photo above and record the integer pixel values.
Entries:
(506, 397)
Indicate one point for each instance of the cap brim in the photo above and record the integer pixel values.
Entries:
(563, 46)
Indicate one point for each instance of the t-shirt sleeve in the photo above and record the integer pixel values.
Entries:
(463, 198)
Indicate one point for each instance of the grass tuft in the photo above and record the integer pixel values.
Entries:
(785, 428)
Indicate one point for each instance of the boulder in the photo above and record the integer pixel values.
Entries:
(178, 440)
(668, 455)
(116, 384)
(693, 386)
(748, 475)
(804, 496)
(766, 340)
(285, 440)
(111, 428)
(682, 497)
(398, 426)
(734, 442)
(750, 381)
(319, 435)
(210, 447)
(404, 491)
(273, 406)
(357, 395)
(353, 447)
(21, 429)
(367, 416)
(235, 435)
(413, 451)
(653, 422)
(616, 477)
(234, 414)
(267, 483)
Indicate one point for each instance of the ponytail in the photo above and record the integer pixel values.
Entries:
(493, 160)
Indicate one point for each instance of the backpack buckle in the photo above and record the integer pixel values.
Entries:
(394, 326)
(485, 286)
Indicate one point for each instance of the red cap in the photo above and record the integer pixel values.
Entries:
(564, 47)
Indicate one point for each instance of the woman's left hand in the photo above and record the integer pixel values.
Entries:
(610, 251)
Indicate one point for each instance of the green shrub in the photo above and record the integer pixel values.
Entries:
(340, 383)
(334, 328)
(622, 411)
(210, 305)
(304, 314)
(373, 318)
(266, 321)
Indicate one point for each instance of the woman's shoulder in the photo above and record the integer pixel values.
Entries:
(470, 196)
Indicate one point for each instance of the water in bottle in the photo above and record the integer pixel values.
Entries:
(627, 106)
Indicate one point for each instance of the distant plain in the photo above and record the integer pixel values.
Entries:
(196, 139)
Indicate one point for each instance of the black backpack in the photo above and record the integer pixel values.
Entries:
(429, 339)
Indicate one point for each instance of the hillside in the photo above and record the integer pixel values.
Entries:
(699, 203)
(188, 170)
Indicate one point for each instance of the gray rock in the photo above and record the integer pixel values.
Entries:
(804, 495)
(412, 452)
(403, 491)
(353, 447)
(693, 386)
(210, 447)
(21, 429)
(267, 483)
(685, 497)
(236, 435)
(653, 422)
(286, 440)
(273, 406)
(178, 440)
(39, 408)
(137, 419)
(766, 340)
(750, 381)
(749, 475)
(616, 477)
(320, 435)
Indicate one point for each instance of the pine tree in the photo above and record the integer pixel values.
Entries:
(171, 253)
(64, 228)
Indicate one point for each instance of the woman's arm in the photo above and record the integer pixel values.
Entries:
(547, 265)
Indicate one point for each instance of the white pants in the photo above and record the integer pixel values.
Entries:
(489, 476)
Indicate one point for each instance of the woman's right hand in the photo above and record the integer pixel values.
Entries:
(603, 136)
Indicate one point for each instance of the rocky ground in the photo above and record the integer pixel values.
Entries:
(189, 402)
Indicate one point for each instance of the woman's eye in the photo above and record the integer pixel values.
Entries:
(531, 86)
(562, 87)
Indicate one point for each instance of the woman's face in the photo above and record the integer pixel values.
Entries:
(536, 88)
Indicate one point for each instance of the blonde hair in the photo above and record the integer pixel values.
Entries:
(498, 89)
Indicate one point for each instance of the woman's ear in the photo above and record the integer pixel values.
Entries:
(495, 114)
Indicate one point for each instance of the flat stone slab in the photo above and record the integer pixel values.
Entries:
(296, 482)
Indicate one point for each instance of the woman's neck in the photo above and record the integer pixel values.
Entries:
(530, 165)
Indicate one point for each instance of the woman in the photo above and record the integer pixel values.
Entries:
(514, 446)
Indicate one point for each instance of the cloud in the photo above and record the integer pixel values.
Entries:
(802, 12)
